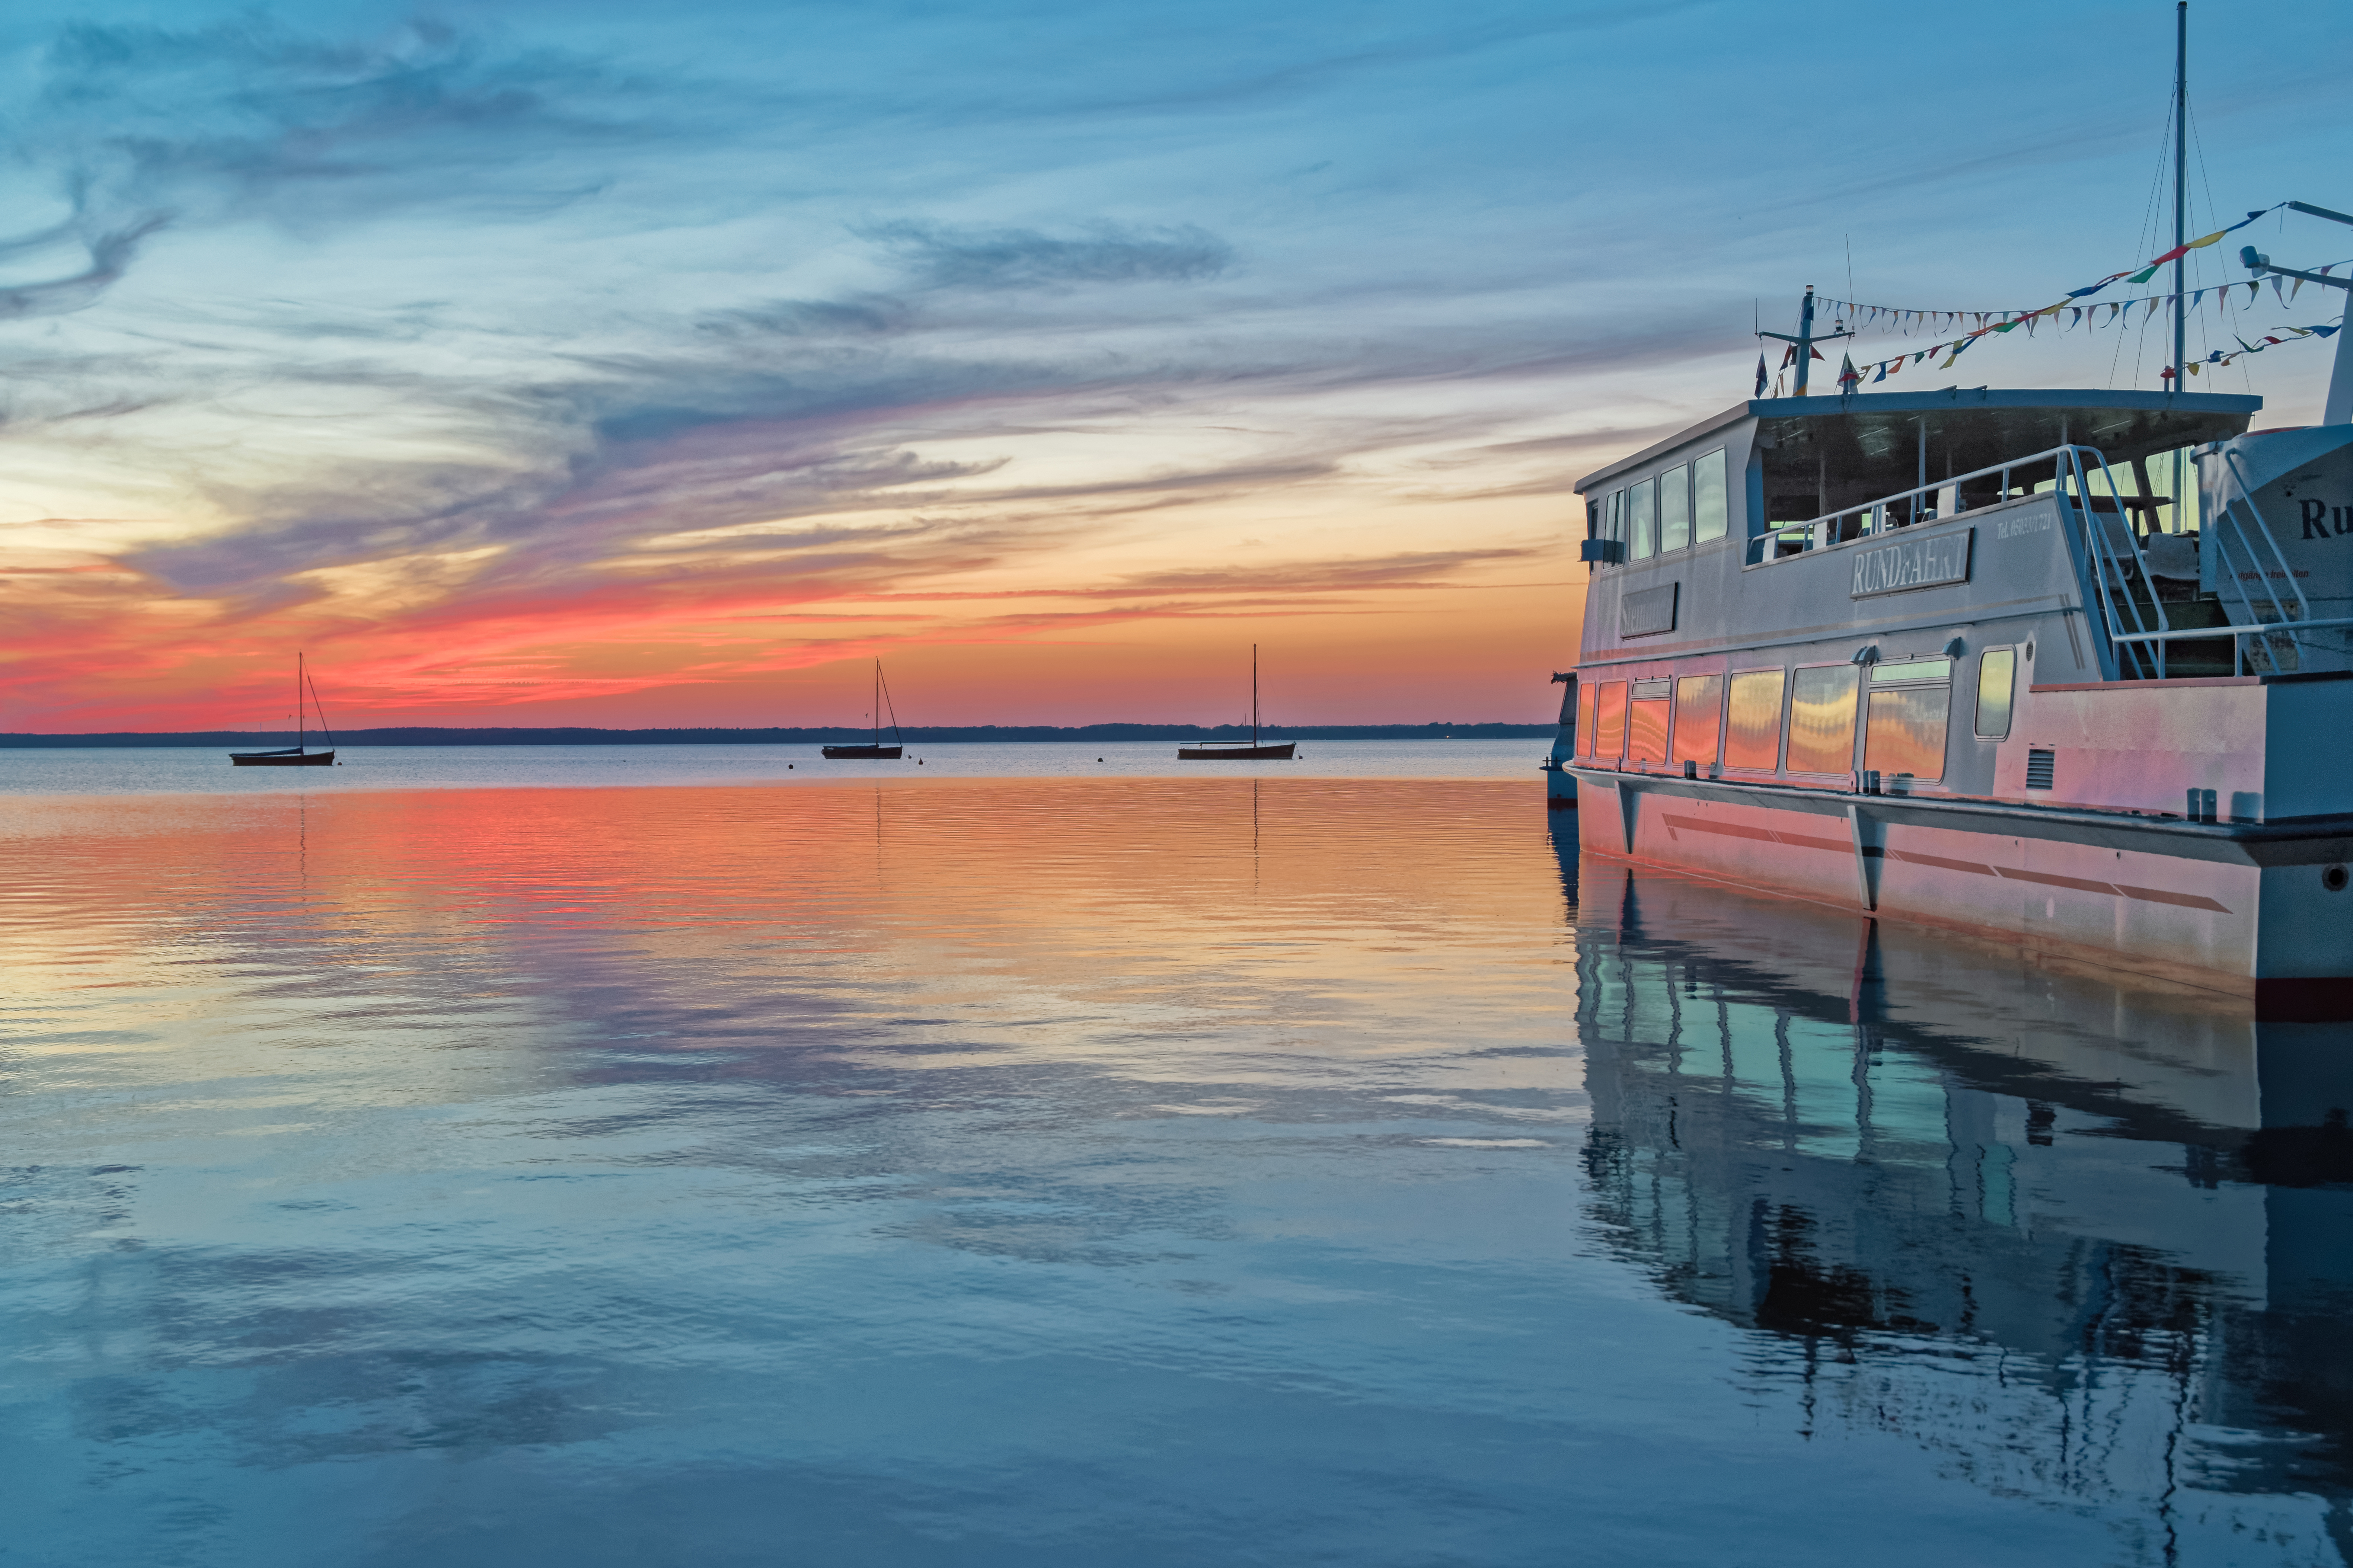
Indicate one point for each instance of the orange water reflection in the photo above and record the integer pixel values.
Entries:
(1218, 919)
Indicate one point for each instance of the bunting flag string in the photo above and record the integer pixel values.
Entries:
(2076, 308)
(2065, 317)
(2068, 316)
(2271, 340)
(1849, 313)
(1851, 376)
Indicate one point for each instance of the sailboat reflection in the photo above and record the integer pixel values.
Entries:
(2082, 1241)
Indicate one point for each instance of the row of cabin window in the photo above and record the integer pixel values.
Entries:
(1690, 720)
(1682, 507)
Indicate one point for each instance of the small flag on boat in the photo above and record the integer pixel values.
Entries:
(1760, 376)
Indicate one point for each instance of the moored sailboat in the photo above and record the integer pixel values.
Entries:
(875, 750)
(1252, 749)
(295, 755)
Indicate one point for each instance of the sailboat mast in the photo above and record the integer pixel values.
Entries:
(2180, 195)
(298, 701)
(1253, 694)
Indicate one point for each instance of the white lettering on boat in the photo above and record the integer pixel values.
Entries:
(1914, 563)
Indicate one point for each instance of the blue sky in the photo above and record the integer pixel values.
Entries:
(591, 361)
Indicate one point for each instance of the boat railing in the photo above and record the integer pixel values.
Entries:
(2067, 469)
(2257, 558)
(2131, 613)
(1908, 508)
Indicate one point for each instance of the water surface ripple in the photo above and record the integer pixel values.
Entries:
(1078, 1171)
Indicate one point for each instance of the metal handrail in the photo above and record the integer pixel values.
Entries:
(2067, 463)
(1820, 531)
(2257, 628)
(2264, 576)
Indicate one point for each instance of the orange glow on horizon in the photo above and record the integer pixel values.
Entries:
(1371, 605)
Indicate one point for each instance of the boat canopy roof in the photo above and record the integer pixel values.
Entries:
(1968, 428)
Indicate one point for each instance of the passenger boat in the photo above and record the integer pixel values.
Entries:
(876, 750)
(1952, 657)
(294, 756)
(1252, 749)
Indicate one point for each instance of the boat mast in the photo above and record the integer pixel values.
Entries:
(2180, 196)
(1805, 339)
(1253, 694)
(298, 703)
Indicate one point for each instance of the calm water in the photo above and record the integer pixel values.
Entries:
(207, 770)
(1077, 1171)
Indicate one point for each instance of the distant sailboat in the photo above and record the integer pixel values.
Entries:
(877, 751)
(1240, 751)
(294, 756)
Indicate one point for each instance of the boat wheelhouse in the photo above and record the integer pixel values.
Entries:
(1974, 656)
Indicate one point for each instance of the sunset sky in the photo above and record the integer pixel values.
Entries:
(536, 363)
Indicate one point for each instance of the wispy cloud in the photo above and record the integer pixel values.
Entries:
(659, 353)
(972, 257)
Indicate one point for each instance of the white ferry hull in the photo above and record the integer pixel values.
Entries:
(2030, 719)
(2236, 910)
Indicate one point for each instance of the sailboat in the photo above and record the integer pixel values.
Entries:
(876, 750)
(294, 756)
(1240, 751)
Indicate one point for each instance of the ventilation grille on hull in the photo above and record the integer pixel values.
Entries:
(2039, 766)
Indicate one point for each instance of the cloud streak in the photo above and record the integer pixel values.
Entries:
(671, 355)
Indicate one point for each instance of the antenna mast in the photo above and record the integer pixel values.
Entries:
(1805, 339)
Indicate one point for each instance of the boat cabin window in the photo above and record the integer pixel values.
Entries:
(1641, 521)
(1903, 728)
(1821, 719)
(1710, 514)
(1609, 719)
(1753, 737)
(1997, 670)
(1903, 669)
(1584, 732)
(1646, 724)
(1699, 719)
(1674, 509)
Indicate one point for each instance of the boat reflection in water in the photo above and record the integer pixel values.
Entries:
(2082, 1241)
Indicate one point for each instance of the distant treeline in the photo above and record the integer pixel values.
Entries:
(915, 735)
